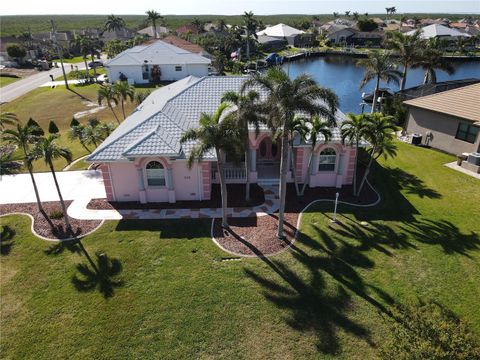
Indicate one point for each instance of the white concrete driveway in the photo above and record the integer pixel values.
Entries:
(16, 189)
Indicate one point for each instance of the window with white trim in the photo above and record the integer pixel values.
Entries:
(155, 174)
(467, 132)
(327, 160)
(178, 68)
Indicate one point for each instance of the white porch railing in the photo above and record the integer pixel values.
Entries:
(231, 173)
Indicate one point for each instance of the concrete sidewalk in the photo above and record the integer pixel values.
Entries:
(78, 210)
(18, 189)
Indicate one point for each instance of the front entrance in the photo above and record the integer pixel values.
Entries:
(268, 159)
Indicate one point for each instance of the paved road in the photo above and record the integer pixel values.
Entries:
(17, 189)
(23, 86)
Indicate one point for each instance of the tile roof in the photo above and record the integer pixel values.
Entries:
(435, 30)
(156, 126)
(157, 52)
(184, 44)
(280, 30)
(462, 102)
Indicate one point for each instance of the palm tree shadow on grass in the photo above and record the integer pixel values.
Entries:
(6, 240)
(100, 274)
(317, 305)
(445, 234)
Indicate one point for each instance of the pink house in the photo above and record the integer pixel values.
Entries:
(143, 160)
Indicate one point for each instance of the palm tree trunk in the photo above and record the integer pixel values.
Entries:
(248, 44)
(154, 29)
(404, 76)
(85, 147)
(123, 110)
(309, 169)
(247, 169)
(223, 188)
(294, 171)
(283, 184)
(64, 209)
(375, 95)
(86, 68)
(35, 188)
(94, 68)
(367, 170)
(355, 168)
(114, 113)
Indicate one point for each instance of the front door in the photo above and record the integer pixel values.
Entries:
(268, 150)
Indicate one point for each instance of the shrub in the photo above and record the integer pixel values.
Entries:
(16, 51)
(53, 128)
(74, 122)
(55, 214)
(38, 131)
(429, 331)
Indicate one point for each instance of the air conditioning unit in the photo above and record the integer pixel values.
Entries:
(474, 158)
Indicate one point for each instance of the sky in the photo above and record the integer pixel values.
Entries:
(232, 7)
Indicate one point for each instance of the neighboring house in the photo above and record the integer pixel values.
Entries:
(122, 34)
(362, 38)
(143, 159)
(435, 88)
(187, 29)
(439, 31)
(338, 34)
(150, 31)
(291, 35)
(64, 38)
(449, 121)
(186, 45)
(270, 43)
(156, 62)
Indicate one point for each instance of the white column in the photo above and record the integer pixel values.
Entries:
(314, 165)
(169, 178)
(141, 184)
(253, 160)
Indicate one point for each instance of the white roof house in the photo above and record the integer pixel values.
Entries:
(280, 30)
(144, 63)
(437, 30)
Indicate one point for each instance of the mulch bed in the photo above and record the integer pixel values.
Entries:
(255, 236)
(235, 192)
(51, 228)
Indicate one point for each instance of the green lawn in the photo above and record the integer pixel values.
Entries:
(175, 297)
(5, 80)
(59, 104)
(74, 60)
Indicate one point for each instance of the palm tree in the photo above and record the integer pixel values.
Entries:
(49, 150)
(247, 112)
(114, 23)
(94, 132)
(9, 164)
(23, 137)
(84, 44)
(379, 66)
(353, 130)
(285, 98)
(217, 133)
(407, 47)
(221, 25)
(95, 45)
(123, 91)
(347, 13)
(356, 15)
(198, 24)
(316, 126)
(7, 118)
(379, 132)
(107, 93)
(141, 96)
(250, 24)
(152, 17)
(77, 132)
(335, 15)
(431, 60)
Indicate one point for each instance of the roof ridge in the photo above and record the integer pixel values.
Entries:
(443, 92)
(138, 141)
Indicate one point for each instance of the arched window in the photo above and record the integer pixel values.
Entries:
(263, 148)
(155, 174)
(327, 160)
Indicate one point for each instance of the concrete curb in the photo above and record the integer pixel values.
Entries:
(376, 202)
(50, 239)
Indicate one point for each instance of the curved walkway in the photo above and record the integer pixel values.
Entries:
(256, 253)
(78, 210)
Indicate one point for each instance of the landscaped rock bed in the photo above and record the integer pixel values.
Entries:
(51, 228)
(255, 236)
(236, 198)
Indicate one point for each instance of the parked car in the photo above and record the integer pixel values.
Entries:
(95, 63)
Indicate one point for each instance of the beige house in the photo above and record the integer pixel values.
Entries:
(449, 121)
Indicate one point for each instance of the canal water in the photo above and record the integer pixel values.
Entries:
(343, 75)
